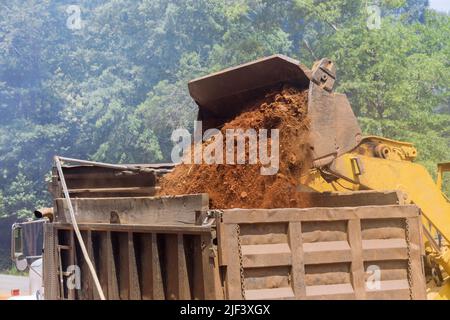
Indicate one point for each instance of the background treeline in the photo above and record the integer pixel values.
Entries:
(115, 89)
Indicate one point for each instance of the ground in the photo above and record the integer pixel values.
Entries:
(8, 283)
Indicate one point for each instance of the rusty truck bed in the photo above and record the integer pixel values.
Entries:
(176, 248)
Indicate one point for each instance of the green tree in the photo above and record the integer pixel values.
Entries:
(116, 89)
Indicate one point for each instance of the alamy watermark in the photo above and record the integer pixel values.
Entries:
(208, 148)
(74, 277)
(373, 16)
(74, 21)
(373, 281)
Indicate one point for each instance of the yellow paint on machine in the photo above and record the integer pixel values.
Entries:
(372, 168)
(411, 178)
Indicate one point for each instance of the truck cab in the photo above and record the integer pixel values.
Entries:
(26, 253)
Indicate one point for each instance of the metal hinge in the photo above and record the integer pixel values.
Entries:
(324, 74)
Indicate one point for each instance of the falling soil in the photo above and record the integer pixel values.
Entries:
(243, 186)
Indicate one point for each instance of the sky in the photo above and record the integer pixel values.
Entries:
(440, 5)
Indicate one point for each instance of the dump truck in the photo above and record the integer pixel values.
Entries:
(377, 226)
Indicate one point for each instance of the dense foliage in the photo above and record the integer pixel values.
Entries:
(116, 88)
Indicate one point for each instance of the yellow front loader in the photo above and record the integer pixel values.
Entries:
(382, 164)
(343, 160)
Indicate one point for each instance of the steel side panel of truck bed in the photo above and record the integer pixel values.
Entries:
(369, 252)
(335, 251)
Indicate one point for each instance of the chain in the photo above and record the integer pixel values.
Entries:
(408, 244)
(241, 263)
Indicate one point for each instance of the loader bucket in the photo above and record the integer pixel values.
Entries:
(334, 128)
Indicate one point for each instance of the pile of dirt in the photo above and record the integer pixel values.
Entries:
(243, 186)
